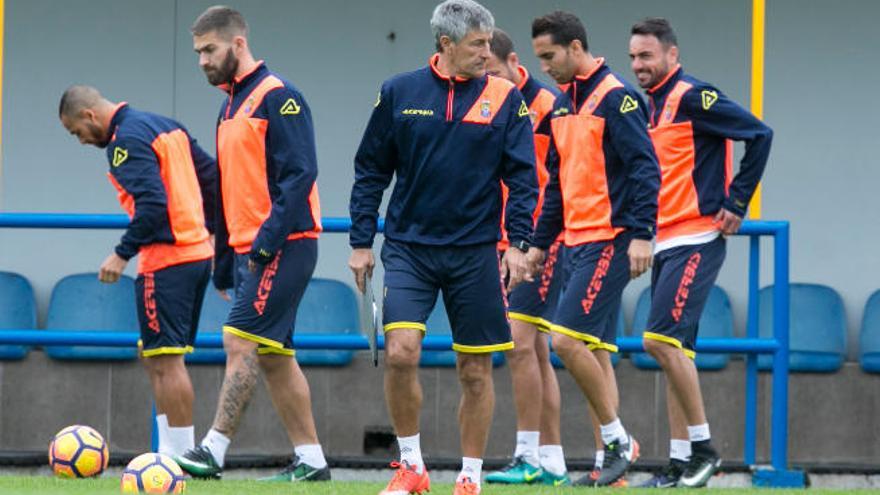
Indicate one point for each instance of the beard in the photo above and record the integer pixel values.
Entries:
(225, 73)
(102, 138)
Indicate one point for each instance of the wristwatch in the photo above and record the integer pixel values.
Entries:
(523, 245)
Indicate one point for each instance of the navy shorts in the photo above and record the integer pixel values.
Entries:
(535, 302)
(266, 300)
(596, 275)
(680, 284)
(470, 279)
(169, 302)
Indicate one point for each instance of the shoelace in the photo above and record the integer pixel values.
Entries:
(403, 469)
(290, 468)
(200, 453)
(468, 486)
(515, 462)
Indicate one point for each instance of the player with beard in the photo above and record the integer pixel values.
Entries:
(692, 126)
(267, 246)
(167, 185)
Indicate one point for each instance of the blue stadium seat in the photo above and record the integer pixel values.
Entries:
(817, 335)
(869, 340)
(81, 302)
(438, 324)
(715, 322)
(214, 313)
(17, 311)
(615, 357)
(328, 307)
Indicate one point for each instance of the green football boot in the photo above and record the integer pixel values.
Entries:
(300, 471)
(548, 478)
(518, 472)
(199, 463)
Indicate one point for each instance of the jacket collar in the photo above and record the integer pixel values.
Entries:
(523, 77)
(600, 64)
(258, 72)
(432, 63)
(119, 113)
(663, 87)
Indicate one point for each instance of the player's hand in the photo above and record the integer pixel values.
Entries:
(515, 268)
(111, 269)
(224, 294)
(641, 257)
(361, 263)
(535, 258)
(728, 221)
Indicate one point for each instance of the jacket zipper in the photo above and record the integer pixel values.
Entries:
(450, 96)
(231, 93)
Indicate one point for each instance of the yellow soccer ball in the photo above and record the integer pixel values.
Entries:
(78, 452)
(153, 473)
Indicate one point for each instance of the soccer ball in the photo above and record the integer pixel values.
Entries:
(78, 452)
(153, 473)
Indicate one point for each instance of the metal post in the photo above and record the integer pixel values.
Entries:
(154, 437)
(779, 415)
(751, 429)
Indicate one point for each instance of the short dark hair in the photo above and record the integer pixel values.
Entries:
(225, 21)
(563, 28)
(501, 45)
(76, 98)
(657, 27)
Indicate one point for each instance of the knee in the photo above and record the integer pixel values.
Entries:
(402, 354)
(237, 348)
(523, 349)
(475, 373)
(661, 351)
(566, 346)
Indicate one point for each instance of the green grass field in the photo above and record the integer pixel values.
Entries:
(31, 485)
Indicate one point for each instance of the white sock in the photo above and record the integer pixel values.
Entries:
(411, 451)
(613, 431)
(698, 433)
(311, 454)
(600, 459)
(552, 459)
(162, 426)
(217, 443)
(527, 446)
(181, 439)
(471, 468)
(679, 450)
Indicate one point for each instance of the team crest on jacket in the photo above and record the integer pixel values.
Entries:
(485, 109)
(594, 100)
(248, 105)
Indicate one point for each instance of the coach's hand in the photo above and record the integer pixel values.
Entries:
(111, 269)
(641, 256)
(361, 263)
(515, 268)
(728, 221)
(535, 258)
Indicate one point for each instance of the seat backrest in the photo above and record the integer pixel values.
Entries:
(81, 302)
(869, 336)
(18, 310)
(716, 321)
(327, 307)
(17, 306)
(215, 310)
(438, 324)
(817, 332)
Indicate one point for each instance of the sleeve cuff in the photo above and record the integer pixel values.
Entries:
(643, 234)
(736, 206)
(125, 252)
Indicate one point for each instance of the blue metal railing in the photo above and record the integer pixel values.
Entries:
(751, 345)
